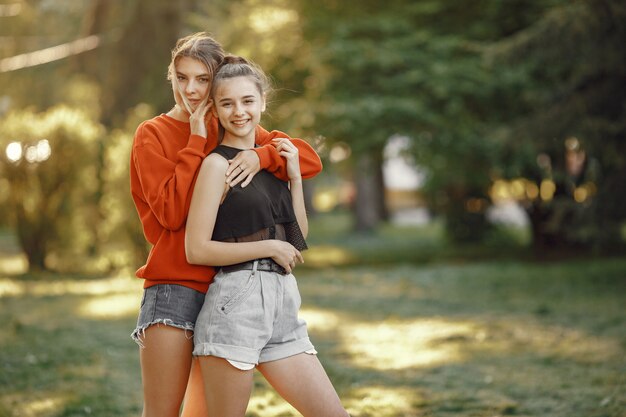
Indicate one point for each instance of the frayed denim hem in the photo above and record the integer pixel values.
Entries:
(140, 332)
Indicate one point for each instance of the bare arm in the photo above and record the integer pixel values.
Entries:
(289, 151)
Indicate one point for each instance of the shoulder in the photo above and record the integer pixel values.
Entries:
(150, 131)
(214, 164)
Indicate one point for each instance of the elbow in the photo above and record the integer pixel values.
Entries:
(192, 256)
(312, 169)
(200, 254)
(193, 253)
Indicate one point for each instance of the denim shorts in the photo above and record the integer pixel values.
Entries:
(251, 317)
(170, 305)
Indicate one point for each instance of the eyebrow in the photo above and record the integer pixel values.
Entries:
(244, 97)
(178, 73)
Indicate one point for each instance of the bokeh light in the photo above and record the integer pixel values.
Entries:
(14, 151)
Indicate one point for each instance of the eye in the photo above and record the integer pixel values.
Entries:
(249, 101)
(180, 78)
(204, 80)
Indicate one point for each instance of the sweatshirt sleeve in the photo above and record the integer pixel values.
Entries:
(271, 161)
(166, 185)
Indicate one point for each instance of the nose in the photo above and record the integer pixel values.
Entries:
(190, 87)
(238, 108)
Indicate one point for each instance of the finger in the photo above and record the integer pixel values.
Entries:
(280, 142)
(287, 155)
(236, 162)
(242, 172)
(238, 177)
(247, 181)
(203, 108)
(286, 267)
(287, 148)
(299, 257)
(233, 166)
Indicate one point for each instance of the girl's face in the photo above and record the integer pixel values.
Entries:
(192, 81)
(238, 104)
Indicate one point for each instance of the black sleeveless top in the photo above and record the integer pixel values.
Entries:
(262, 210)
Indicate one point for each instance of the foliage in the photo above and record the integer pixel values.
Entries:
(387, 71)
(568, 77)
(51, 181)
(39, 25)
(480, 89)
(121, 236)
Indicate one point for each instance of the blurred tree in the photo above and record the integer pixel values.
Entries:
(352, 86)
(127, 67)
(37, 26)
(412, 68)
(131, 65)
(121, 236)
(48, 163)
(570, 83)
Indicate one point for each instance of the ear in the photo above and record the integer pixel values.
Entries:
(264, 99)
(211, 104)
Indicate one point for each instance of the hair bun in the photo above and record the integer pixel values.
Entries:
(234, 59)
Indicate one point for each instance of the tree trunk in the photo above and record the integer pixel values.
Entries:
(369, 193)
(381, 202)
(33, 242)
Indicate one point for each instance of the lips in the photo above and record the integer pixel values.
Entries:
(240, 123)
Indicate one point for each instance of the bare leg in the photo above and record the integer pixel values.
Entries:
(227, 389)
(165, 363)
(302, 381)
(195, 403)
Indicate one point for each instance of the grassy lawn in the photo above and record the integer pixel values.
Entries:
(445, 338)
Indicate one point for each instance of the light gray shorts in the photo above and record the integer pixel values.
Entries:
(251, 317)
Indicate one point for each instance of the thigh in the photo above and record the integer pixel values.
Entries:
(227, 389)
(302, 381)
(195, 403)
(165, 363)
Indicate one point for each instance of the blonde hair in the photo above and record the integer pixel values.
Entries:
(199, 46)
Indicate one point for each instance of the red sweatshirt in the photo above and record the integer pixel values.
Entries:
(165, 159)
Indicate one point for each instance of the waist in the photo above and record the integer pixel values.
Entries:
(263, 264)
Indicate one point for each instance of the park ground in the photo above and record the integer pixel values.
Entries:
(410, 333)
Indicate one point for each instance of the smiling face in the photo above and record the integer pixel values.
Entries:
(191, 84)
(238, 104)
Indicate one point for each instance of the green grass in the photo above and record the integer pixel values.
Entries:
(400, 335)
(332, 241)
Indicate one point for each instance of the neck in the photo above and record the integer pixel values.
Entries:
(178, 114)
(238, 142)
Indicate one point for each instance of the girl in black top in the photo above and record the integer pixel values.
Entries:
(255, 233)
